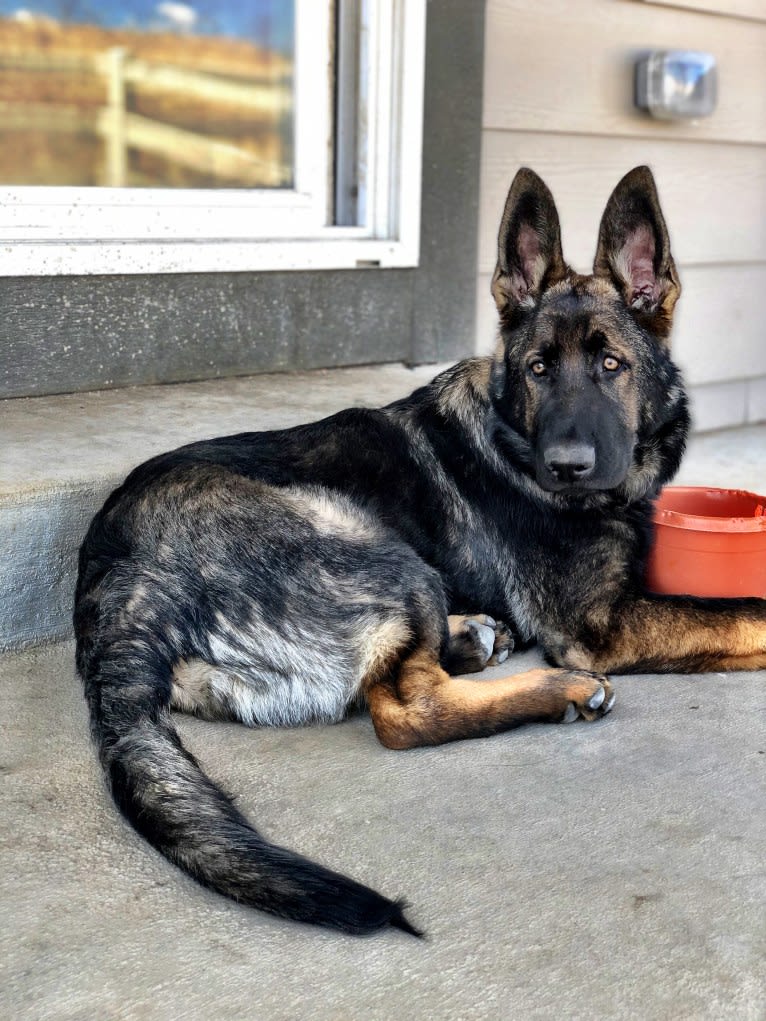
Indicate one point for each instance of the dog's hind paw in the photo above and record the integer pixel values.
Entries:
(595, 699)
(477, 641)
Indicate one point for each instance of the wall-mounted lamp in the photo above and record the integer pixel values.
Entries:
(675, 84)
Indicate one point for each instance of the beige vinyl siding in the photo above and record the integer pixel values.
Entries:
(755, 9)
(567, 66)
(558, 98)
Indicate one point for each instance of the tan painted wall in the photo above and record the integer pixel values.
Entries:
(558, 87)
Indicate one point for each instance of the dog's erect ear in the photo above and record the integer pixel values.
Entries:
(529, 256)
(634, 252)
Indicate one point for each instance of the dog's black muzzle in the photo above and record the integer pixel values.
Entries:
(585, 448)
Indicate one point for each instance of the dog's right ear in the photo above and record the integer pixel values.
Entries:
(529, 256)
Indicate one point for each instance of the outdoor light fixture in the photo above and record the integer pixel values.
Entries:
(677, 84)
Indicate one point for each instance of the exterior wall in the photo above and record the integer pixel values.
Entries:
(558, 87)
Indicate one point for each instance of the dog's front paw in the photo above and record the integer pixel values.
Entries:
(590, 696)
(477, 641)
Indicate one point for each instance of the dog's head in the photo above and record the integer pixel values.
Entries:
(583, 381)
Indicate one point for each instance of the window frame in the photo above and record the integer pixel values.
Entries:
(57, 231)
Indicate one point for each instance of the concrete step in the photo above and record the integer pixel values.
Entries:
(61, 456)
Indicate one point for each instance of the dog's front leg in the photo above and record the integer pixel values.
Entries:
(424, 705)
(679, 634)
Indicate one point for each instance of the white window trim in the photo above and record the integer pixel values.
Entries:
(53, 231)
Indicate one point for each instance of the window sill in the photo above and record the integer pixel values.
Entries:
(195, 256)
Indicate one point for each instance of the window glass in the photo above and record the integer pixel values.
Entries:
(168, 136)
(147, 93)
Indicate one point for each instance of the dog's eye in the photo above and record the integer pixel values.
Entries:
(537, 368)
(610, 364)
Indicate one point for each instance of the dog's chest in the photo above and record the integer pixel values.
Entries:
(528, 572)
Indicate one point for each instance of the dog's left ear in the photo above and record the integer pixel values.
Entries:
(529, 256)
(634, 252)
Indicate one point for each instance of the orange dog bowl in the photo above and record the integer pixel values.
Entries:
(708, 542)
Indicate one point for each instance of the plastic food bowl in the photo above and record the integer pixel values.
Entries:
(708, 542)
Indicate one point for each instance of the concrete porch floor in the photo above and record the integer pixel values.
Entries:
(610, 870)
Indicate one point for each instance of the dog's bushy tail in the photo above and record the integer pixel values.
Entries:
(160, 788)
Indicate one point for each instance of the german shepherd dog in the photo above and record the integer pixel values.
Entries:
(278, 578)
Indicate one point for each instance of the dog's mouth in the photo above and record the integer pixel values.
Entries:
(572, 489)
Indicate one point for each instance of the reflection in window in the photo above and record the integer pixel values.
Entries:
(141, 93)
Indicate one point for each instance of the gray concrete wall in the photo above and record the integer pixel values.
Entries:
(65, 334)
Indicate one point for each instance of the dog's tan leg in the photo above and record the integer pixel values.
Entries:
(742, 662)
(677, 634)
(423, 705)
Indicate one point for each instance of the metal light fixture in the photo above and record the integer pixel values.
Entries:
(677, 84)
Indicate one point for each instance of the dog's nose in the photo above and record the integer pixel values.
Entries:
(570, 462)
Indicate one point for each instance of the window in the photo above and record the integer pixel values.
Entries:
(210, 135)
